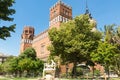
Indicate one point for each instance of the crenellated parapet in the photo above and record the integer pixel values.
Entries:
(59, 12)
(60, 3)
(26, 38)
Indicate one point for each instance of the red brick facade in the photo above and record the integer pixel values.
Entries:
(26, 38)
(59, 12)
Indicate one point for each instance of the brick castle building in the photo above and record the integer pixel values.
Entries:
(59, 13)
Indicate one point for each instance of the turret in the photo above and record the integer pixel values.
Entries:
(92, 21)
(26, 38)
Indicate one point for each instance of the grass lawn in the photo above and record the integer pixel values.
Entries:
(115, 79)
(90, 79)
(6, 78)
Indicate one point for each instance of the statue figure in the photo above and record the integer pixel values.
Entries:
(49, 70)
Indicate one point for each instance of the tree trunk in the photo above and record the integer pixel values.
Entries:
(74, 70)
(93, 71)
(20, 73)
(57, 72)
(28, 73)
(108, 72)
(15, 73)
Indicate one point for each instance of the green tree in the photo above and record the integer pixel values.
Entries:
(117, 36)
(112, 36)
(38, 69)
(25, 62)
(105, 54)
(109, 33)
(74, 41)
(10, 65)
(116, 65)
(116, 62)
(1, 70)
(5, 15)
(29, 53)
(30, 63)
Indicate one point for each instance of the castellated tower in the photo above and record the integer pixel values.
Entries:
(59, 12)
(26, 38)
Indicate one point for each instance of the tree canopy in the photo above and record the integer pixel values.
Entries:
(29, 53)
(26, 63)
(74, 40)
(6, 11)
(108, 51)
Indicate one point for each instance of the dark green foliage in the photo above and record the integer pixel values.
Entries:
(5, 15)
(5, 31)
(29, 53)
(30, 63)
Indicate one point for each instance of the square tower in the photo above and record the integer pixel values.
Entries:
(59, 12)
(26, 38)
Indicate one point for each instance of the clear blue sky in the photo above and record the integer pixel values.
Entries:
(36, 13)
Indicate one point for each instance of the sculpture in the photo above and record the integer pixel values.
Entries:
(49, 70)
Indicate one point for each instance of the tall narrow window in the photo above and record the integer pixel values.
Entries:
(55, 13)
(42, 48)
